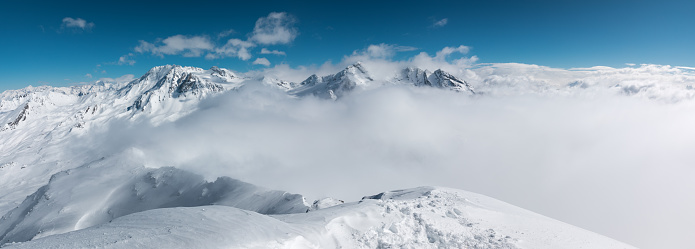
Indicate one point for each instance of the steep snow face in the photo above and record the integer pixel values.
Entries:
(335, 85)
(106, 189)
(423, 217)
(167, 86)
(357, 77)
(439, 79)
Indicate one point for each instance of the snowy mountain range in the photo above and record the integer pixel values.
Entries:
(55, 195)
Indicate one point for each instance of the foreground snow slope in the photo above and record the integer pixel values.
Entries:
(100, 191)
(424, 217)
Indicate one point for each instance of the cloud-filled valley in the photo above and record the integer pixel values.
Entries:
(571, 158)
(606, 149)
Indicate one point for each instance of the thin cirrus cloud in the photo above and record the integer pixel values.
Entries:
(275, 52)
(225, 33)
(76, 23)
(387, 50)
(440, 23)
(276, 28)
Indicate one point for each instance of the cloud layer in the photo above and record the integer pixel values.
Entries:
(276, 28)
(596, 147)
(580, 159)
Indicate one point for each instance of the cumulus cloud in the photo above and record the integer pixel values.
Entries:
(77, 23)
(446, 51)
(275, 52)
(262, 61)
(440, 23)
(378, 58)
(89, 75)
(233, 48)
(276, 28)
(188, 46)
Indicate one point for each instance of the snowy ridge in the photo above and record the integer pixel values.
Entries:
(70, 202)
(424, 217)
(37, 121)
(439, 79)
(335, 85)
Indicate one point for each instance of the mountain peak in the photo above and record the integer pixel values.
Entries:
(335, 85)
(439, 78)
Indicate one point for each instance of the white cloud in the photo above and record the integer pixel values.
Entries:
(446, 51)
(126, 60)
(79, 23)
(89, 75)
(566, 153)
(386, 50)
(225, 33)
(565, 146)
(378, 57)
(275, 52)
(196, 46)
(440, 23)
(262, 61)
(276, 28)
(233, 48)
(188, 46)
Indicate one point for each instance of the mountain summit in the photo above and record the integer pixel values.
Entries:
(335, 85)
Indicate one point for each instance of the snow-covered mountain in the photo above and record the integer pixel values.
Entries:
(335, 85)
(55, 195)
(439, 79)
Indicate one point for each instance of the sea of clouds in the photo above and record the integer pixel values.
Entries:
(606, 149)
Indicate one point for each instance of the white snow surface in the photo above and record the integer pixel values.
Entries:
(425, 217)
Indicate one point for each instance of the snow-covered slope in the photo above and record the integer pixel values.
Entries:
(423, 217)
(39, 122)
(106, 189)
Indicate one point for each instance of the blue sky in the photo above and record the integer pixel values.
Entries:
(66, 42)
